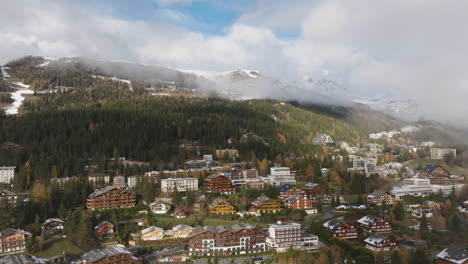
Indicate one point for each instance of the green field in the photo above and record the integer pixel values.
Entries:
(59, 246)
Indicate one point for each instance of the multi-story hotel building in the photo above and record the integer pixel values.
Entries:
(111, 197)
(279, 176)
(218, 183)
(282, 236)
(226, 240)
(374, 224)
(13, 241)
(299, 201)
(339, 229)
(182, 184)
(111, 255)
(7, 174)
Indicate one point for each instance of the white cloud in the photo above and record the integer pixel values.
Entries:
(404, 48)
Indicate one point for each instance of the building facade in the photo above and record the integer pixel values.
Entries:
(104, 229)
(263, 204)
(288, 190)
(226, 240)
(280, 175)
(379, 196)
(10, 196)
(439, 153)
(299, 201)
(373, 224)
(13, 241)
(111, 197)
(282, 236)
(218, 183)
(221, 206)
(380, 243)
(119, 181)
(182, 184)
(7, 174)
(341, 230)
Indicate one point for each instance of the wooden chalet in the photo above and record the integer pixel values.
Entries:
(373, 224)
(263, 204)
(221, 206)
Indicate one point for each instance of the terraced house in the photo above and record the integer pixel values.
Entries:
(13, 241)
(226, 240)
(221, 206)
(263, 204)
(111, 197)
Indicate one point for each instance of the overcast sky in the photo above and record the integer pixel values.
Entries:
(404, 48)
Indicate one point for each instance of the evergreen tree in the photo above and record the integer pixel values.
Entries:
(424, 225)
(396, 258)
(333, 202)
(399, 211)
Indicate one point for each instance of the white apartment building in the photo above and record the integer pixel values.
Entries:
(412, 186)
(7, 174)
(182, 184)
(363, 164)
(132, 181)
(282, 236)
(279, 176)
(439, 153)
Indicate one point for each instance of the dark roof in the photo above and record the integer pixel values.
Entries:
(431, 167)
(285, 187)
(98, 174)
(97, 254)
(102, 191)
(22, 259)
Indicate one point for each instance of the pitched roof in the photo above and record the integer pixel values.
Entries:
(374, 239)
(102, 224)
(376, 194)
(102, 191)
(260, 200)
(181, 226)
(9, 231)
(98, 174)
(368, 220)
(216, 202)
(97, 254)
(51, 220)
(457, 255)
(7, 192)
(221, 228)
(151, 229)
(22, 259)
(285, 187)
(293, 198)
(332, 224)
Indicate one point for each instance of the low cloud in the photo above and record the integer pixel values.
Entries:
(400, 48)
